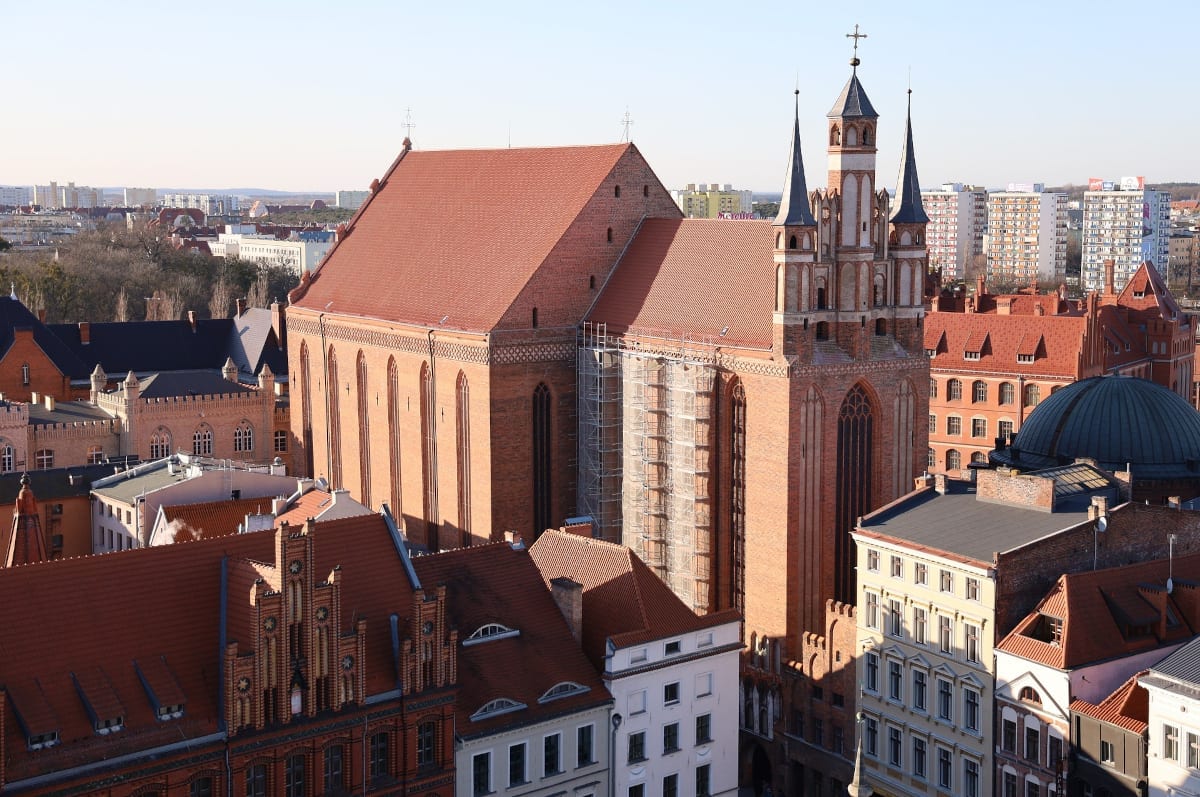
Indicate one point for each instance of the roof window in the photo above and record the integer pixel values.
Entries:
(494, 708)
(563, 689)
(489, 632)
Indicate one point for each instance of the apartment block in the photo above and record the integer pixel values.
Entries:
(711, 200)
(1027, 235)
(957, 223)
(1128, 227)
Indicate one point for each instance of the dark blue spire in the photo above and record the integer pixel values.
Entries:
(909, 209)
(852, 103)
(794, 207)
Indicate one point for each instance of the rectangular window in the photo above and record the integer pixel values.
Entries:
(670, 786)
(1032, 739)
(972, 589)
(945, 768)
(897, 567)
(481, 774)
(293, 776)
(1008, 736)
(918, 757)
(1006, 430)
(932, 424)
(945, 581)
(970, 778)
(379, 755)
(671, 737)
(872, 560)
(256, 781)
(895, 745)
(426, 736)
(551, 755)
(872, 618)
(637, 747)
(946, 633)
(704, 684)
(1170, 746)
(671, 693)
(516, 764)
(281, 442)
(895, 618)
(895, 680)
(637, 701)
(703, 728)
(703, 780)
(871, 668)
(945, 700)
(201, 787)
(971, 640)
(818, 731)
(920, 625)
(584, 746)
(1193, 751)
(672, 648)
(921, 574)
(637, 790)
(978, 427)
(971, 709)
(953, 425)
(870, 736)
(1107, 753)
(334, 781)
(919, 688)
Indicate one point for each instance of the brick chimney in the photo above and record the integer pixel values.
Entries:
(939, 483)
(240, 304)
(85, 332)
(1109, 278)
(192, 319)
(277, 325)
(568, 595)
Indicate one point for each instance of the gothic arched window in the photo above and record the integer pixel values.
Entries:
(334, 420)
(462, 439)
(737, 493)
(243, 437)
(202, 440)
(306, 409)
(856, 461)
(429, 457)
(393, 408)
(364, 433)
(160, 443)
(542, 484)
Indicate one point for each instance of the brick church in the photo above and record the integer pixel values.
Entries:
(505, 339)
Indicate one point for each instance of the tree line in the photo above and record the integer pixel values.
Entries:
(115, 274)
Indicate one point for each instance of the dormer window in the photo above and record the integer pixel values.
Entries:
(43, 740)
(971, 355)
(489, 632)
(1139, 294)
(563, 689)
(494, 708)
(170, 712)
(110, 725)
(1025, 359)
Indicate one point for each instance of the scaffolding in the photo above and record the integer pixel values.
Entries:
(646, 453)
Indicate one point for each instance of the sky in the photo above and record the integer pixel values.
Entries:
(314, 96)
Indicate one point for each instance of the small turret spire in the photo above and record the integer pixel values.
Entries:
(909, 209)
(794, 206)
(26, 544)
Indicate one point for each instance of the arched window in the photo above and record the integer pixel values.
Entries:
(393, 408)
(306, 409)
(332, 389)
(792, 242)
(1030, 695)
(43, 459)
(835, 135)
(954, 390)
(1008, 394)
(1033, 394)
(7, 457)
(855, 463)
(979, 391)
(243, 437)
(25, 373)
(202, 440)
(953, 460)
(364, 433)
(429, 457)
(866, 136)
(737, 494)
(979, 458)
(160, 443)
(95, 455)
(462, 438)
(542, 484)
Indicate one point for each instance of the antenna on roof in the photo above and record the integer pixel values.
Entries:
(408, 123)
(626, 121)
(1171, 562)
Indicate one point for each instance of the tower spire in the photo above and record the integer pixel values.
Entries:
(909, 209)
(794, 205)
(26, 544)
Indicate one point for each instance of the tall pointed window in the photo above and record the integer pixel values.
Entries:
(429, 457)
(737, 495)
(202, 441)
(6, 457)
(541, 459)
(306, 409)
(855, 463)
(364, 433)
(243, 437)
(393, 408)
(160, 443)
(334, 420)
(462, 440)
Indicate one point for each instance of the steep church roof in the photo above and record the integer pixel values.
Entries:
(909, 209)
(457, 235)
(852, 103)
(14, 316)
(794, 207)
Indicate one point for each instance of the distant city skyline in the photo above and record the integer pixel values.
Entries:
(287, 96)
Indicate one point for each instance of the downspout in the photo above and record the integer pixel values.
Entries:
(328, 418)
(433, 447)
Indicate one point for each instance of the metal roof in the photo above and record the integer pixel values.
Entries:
(1182, 665)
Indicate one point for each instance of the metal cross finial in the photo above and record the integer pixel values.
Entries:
(408, 123)
(856, 36)
(626, 121)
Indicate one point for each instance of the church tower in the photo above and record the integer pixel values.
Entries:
(795, 247)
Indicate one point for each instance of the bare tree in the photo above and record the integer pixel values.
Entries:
(121, 311)
(220, 305)
(258, 295)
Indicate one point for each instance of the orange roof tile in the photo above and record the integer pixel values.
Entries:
(1128, 707)
(496, 584)
(458, 233)
(695, 278)
(213, 518)
(1008, 336)
(623, 599)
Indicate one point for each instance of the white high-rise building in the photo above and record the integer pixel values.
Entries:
(350, 199)
(138, 197)
(1128, 227)
(14, 195)
(957, 223)
(211, 204)
(1027, 235)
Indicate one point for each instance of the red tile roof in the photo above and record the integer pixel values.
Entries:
(496, 584)
(1099, 609)
(623, 599)
(1128, 707)
(695, 277)
(1008, 336)
(212, 518)
(458, 233)
(1147, 291)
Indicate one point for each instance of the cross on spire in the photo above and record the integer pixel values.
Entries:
(856, 36)
(626, 121)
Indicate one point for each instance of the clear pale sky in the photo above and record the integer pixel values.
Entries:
(311, 96)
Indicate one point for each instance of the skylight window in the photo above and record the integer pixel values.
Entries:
(489, 632)
(563, 689)
(494, 708)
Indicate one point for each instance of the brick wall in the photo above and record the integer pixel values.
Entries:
(44, 376)
(1005, 487)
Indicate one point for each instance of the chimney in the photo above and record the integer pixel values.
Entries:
(568, 595)
(1101, 504)
(49, 402)
(1174, 502)
(278, 506)
(1109, 278)
(923, 481)
(192, 319)
(85, 333)
(42, 315)
(939, 483)
(277, 325)
(514, 539)
(35, 397)
(240, 304)
(1038, 310)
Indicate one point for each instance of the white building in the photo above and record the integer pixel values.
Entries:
(1128, 227)
(1026, 236)
(350, 199)
(211, 204)
(957, 224)
(140, 197)
(14, 195)
(673, 675)
(1173, 768)
(302, 252)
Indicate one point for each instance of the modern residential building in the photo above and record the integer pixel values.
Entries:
(1108, 743)
(1090, 633)
(1173, 686)
(673, 675)
(1026, 236)
(210, 204)
(1128, 227)
(532, 715)
(712, 200)
(350, 199)
(301, 252)
(140, 197)
(15, 196)
(994, 358)
(1182, 257)
(957, 226)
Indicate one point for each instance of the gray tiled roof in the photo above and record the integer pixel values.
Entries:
(852, 103)
(794, 206)
(909, 209)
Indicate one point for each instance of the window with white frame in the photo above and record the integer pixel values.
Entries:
(870, 736)
(972, 589)
(921, 573)
(897, 567)
(243, 437)
(945, 698)
(895, 746)
(971, 642)
(945, 768)
(919, 753)
(945, 581)
(1170, 742)
(920, 625)
(971, 709)
(895, 618)
(872, 560)
(871, 671)
(895, 680)
(970, 778)
(920, 688)
(946, 633)
(872, 614)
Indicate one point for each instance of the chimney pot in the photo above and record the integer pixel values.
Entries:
(241, 306)
(192, 319)
(85, 332)
(939, 483)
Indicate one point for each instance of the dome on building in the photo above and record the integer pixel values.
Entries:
(1116, 421)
